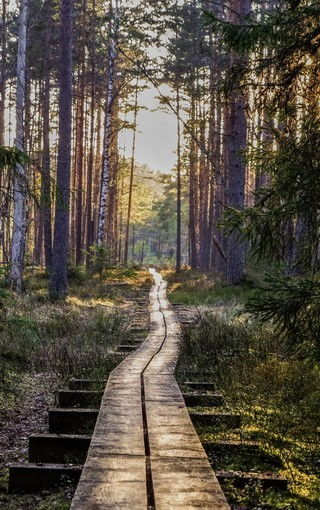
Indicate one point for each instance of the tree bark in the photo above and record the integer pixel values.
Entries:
(59, 278)
(3, 71)
(80, 134)
(236, 144)
(20, 186)
(126, 245)
(192, 193)
(178, 242)
(90, 173)
(46, 160)
(203, 202)
(106, 157)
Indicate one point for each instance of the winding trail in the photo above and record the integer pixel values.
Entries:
(145, 453)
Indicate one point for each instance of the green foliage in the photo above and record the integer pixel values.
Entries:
(61, 340)
(101, 258)
(210, 345)
(283, 227)
(77, 275)
(75, 337)
(292, 196)
(10, 156)
(253, 497)
(293, 305)
(59, 500)
(290, 36)
(192, 287)
(276, 394)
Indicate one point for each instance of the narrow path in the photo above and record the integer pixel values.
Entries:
(145, 452)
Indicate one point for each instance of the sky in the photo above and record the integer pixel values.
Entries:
(156, 136)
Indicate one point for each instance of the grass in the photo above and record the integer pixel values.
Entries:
(64, 339)
(276, 394)
(46, 500)
(191, 287)
(70, 338)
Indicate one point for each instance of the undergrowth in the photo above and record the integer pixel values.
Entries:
(276, 392)
(59, 340)
(75, 337)
(44, 501)
(191, 287)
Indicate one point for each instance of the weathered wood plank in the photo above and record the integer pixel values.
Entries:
(112, 482)
(145, 452)
(186, 484)
(171, 433)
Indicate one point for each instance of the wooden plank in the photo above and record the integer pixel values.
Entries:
(145, 452)
(186, 484)
(112, 482)
(171, 433)
(181, 473)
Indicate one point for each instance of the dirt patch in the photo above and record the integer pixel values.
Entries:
(20, 418)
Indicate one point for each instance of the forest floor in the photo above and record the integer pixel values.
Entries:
(44, 344)
(276, 394)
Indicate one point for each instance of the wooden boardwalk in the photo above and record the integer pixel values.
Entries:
(145, 453)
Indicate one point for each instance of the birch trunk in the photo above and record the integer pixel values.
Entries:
(3, 70)
(106, 156)
(20, 188)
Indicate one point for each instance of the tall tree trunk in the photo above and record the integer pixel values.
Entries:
(74, 161)
(178, 241)
(59, 277)
(192, 193)
(79, 173)
(112, 198)
(89, 238)
(20, 188)
(218, 252)
(236, 144)
(81, 133)
(4, 205)
(120, 258)
(3, 70)
(142, 247)
(97, 174)
(106, 157)
(126, 245)
(133, 242)
(204, 189)
(46, 162)
(38, 156)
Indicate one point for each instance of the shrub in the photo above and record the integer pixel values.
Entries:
(292, 304)
(277, 392)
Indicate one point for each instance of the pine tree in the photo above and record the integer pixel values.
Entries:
(59, 277)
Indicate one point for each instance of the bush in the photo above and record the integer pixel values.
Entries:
(276, 392)
(293, 305)
(63, 339)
